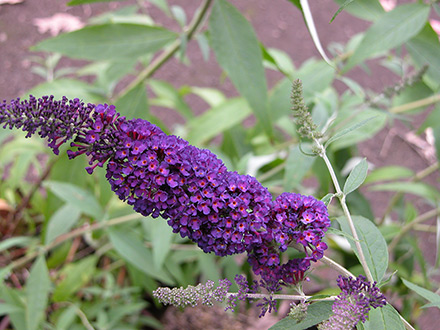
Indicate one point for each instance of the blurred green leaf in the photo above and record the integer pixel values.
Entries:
(70, 88)
(61, 222)
(356, 177)
(428, 295)
(21, 241)
(372, 242)
(238, 52)
(81, 2)
(131, 249)
(347, 130)
(6, 309)
(216, 120)
(134, 104)
(297, 166)
(15, 298)
(389, 31)
(386, 318)
(77, 197)
(415, 188)
(212, 96)
(161, 235)
(388, 173)
(108, 41)
(37, 292)
(315, 77)
(316, 313)
(345, 4)
(74, 277)
(424, 49)
(168, 96)
(369, 10)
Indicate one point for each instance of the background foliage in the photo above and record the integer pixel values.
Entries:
(74, 257)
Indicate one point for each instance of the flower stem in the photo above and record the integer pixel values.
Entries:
(341, 195)
(189, 32)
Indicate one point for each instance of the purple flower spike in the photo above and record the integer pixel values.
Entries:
(161, 175)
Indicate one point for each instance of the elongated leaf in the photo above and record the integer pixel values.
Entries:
(15, 241)
(77, 197)
(369, 10)
(434, 304)
(168, 96)
(428, 295)
(384, 318)
(238, 52)
(70, 88)
(415, 188)
(316, 313)
(347, 130)
(75, 276)
(61, 222)
(424, 49)
(134, 104)
(216, 120)
(345, 4)
(161, 237)
(37, 291)
(297, 166)
(356, 177)
(389, 31)
(9, 308)
(81, 2)
(108, 41)
(128, 245)
(372, 243)
(389, 173)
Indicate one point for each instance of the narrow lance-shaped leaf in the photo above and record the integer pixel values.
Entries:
(109, 41)
(390, 30)
(61, 222)
(428, 295)
(372, 243)
(238, 52)
(356, 177)
(37, 291)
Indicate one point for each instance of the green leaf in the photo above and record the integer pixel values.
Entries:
(134, 104)
(384, 318)
(67, 87)
(297, 166)
(108, 41)
(161, 238)
(315, 76)
(75, 276)
(424, 49)
(372, 243)
(347, 130)
(131, 249)
(356, 177)
(316, 313)
(389, 173)
(9, 308)
(238, 52)
(369, 10)
(428, 295)
(345, 4)
(77, 197)
(389, 31)
(21, 241)
(434, 304)
(212, 96)
(216, 120)
(296, 3)
(37, 291)
(415, 188)
(61, 222)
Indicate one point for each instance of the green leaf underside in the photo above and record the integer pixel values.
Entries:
(356, 177)
(316, 313)
(389, 31)
(238, 52)
(109, 41)
(372, 242)
(37, 291)
(384, 318)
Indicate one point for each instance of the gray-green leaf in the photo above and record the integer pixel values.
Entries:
(356, 177)
(61, 222)
(109, 41)
(37, 291)
(384, 318)
(372, 243)
(390, 30)
(238, 52)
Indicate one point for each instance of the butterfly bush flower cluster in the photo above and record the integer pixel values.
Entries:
(357, 298)
(162, 175)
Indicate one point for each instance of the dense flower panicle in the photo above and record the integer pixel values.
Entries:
(204, 294)
(162, 175)
(358, 296)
